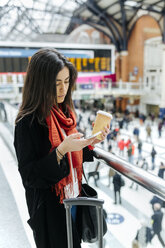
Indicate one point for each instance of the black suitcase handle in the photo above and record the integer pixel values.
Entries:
(84, 201)
(68, 203)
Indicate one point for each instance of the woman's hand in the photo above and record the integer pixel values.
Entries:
(103, 135)
(74, 142)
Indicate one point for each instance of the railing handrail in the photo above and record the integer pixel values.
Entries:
(147, 180)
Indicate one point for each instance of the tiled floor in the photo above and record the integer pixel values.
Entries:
(135, 204)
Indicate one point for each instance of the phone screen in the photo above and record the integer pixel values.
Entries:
(93, 135)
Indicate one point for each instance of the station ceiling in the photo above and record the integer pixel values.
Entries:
(24, 20)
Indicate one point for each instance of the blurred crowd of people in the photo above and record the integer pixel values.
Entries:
(131, 149)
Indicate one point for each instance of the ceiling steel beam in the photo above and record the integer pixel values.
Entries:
(140, 7)
(108, 35)
(149, 8)
(129, 21)
(91, 5)
(124, 27)
(160, 1)
(20, 17)
(80, 21)
(35, 26)
(5, 11)
(105, 9)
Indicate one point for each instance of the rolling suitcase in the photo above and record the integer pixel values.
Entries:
(68, 203)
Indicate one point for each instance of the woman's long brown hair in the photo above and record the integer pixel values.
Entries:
(39, 91)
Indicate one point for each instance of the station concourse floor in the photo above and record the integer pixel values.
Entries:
(123, 220)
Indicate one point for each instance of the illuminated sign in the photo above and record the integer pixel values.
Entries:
(91, 65)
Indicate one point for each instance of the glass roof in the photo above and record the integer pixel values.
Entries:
(25, 19)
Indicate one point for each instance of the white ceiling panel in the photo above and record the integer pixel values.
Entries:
(117, 16)
(161, 4)
(115, 8)
(150, 2)
(86, 13)
(104, 4)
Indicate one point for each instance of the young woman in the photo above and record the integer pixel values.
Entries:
(49, 149)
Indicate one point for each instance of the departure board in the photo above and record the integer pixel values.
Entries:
(91, 64)
(92, 60)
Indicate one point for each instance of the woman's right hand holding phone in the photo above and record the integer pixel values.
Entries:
(74, 142)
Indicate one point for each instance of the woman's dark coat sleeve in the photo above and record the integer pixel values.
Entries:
(38, 167)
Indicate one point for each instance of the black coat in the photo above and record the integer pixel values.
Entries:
(157, 221)
(117, 182)
(39, 171)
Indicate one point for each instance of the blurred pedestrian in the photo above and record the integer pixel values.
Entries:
(136, 132)
(148, 133)
(117, 183)
(144, 165)
(152, 118)
(109, 138)
(156, 199)
(127, 143)
(144, 234)
(139, 149)
(129, 152)
(142, 118)
(110, 147)
(133, 152)
(157, 223)
(121, 146)
(126, 121)
(161, 170)
(110, 175)
(153, 154)
(160, 126)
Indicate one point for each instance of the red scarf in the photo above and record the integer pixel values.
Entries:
(55, 122)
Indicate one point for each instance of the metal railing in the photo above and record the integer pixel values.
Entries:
(115, 88)
(12, 90)
(149, 181)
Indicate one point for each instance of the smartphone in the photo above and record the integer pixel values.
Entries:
(93, 135)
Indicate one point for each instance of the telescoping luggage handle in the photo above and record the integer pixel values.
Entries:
(88, 202)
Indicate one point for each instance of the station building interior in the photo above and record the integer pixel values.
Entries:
(118, 49)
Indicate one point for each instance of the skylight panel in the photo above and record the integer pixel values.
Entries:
(21, 27)
(39, 15)
(58, 3)
(27, 4)
(3, 2)
(61, 28)
(39, 5)
(27, 31)
(70, 6)
(131, 3)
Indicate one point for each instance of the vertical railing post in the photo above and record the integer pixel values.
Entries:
(100, 227)
(69, 226)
